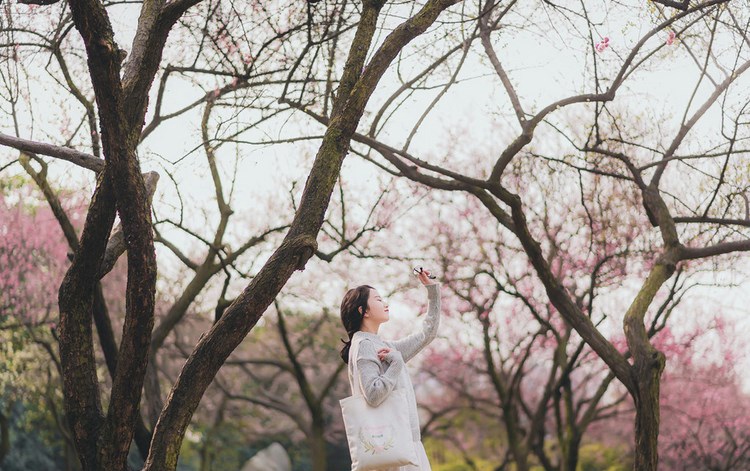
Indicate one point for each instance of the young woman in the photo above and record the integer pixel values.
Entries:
(381, 364)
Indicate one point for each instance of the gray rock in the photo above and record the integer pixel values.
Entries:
(272, 458)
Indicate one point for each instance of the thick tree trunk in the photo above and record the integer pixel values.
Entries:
(515, 442)
(318, 448)
(648, 365)
(76, 298)
(103, 443)
(647, 411)
(4, 436)
(571, 449)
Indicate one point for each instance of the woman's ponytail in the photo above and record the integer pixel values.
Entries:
(352, 315)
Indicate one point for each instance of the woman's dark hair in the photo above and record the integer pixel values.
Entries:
(351, 316)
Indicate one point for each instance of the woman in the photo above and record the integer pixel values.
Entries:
(381, 364)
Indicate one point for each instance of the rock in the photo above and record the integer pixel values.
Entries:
(271, 458)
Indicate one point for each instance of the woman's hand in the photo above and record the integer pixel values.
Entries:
(424, 277)
(389, 356)
(382, 353)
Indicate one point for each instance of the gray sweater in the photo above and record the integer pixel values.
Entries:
(378, 378)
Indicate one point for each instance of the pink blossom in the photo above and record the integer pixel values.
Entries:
(33, 257)
(602, 45)
(670, 38)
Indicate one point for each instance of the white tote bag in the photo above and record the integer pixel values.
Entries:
(379, 437)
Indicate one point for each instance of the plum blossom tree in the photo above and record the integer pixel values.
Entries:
(33, 257)
(526, 366)
(704, 420)
(707, 428)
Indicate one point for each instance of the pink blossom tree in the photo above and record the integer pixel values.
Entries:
(706, 423)
(525, 365)
(704, 407)
(33, 256)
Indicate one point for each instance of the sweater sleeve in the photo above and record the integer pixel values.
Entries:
(412, 344)
(376, 386)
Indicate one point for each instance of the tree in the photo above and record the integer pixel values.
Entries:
(121, 90)
(522, 364)
(33, 257)
(704, 421)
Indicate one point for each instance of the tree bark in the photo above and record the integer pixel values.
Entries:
(318, 445)
(648, 365)
(647, 412)
(76, 298)
(115, 248)
(105, 443)
(4, 436)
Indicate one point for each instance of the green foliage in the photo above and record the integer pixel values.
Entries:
(30, 444)
(599, 457)
(9, 183)
(450, 459)
(30, 395)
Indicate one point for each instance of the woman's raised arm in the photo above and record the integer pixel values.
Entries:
(412, 344)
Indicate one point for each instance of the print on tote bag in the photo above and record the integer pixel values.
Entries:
(376, 439)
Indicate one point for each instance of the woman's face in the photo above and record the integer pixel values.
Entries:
(377, 308)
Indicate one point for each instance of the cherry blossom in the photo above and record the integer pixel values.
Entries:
(670, 38)
(602, 45)
(33, 257)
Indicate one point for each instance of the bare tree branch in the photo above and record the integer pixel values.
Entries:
(71, 155)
